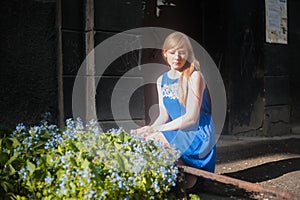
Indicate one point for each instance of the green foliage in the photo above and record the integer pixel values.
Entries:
(194, 197)
(82, 162)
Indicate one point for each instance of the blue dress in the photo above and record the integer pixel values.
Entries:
(196, 144)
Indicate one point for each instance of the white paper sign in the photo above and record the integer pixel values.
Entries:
(276, 21)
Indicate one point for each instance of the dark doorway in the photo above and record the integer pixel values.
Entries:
(202, 20)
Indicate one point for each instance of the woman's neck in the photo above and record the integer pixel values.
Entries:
(174, 73)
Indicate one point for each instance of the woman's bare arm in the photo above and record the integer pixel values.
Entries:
(163, 114)
(162, 117)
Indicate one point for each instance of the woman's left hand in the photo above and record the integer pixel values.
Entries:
(143, 130)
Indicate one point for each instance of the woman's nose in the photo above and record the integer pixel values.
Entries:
(177, 55)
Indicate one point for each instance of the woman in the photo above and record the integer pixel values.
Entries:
(184, 119)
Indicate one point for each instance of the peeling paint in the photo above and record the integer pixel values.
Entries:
(161, 3)
(277, 120)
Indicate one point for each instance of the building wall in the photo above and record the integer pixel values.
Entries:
(27, 61)
(263, 85)
(110, 18)
(294, 60)
(261, 80)
(256, 74)
(245, 38)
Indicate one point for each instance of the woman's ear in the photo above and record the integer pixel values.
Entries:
(164, 53)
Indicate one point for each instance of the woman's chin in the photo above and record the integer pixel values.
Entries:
(176, 67)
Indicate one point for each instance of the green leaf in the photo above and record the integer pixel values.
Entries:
(49, 160)
(29, 185)
(85, 163)
(122, 136)
(59, 150)
(13, 158)
(32, 132)
(38, 145)
(75, 146)
(38, 195)
(6, 185)
(18, 197)
(31, 167)
(59, 174)
(73, 161)
(73, 186)
(3, 158)
(122, 161)
(97, 177)
(117, 145)
(194, 197)
(7, 143)
(12, 170)
(40, 174)
(46, 135)
(15, 142)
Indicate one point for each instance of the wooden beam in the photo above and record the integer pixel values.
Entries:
(239, 183)
(90, 88)
(60, 93)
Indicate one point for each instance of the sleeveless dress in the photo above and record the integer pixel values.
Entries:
(196, 144)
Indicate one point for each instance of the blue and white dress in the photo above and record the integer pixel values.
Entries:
(196, 144)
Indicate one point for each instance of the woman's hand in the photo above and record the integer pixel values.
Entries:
(143, 130)
(148, 132)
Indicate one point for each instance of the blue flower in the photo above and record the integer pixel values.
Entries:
(103, 193)
(48, 180)
(20, 127)
(90, 194)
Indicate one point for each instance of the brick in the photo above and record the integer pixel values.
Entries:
(118, 15)
(105, 89)
(277, 119)
(120, 64)
(73, 51)
(276, 90)
(72, 14)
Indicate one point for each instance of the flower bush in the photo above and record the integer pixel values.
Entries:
(82, 162)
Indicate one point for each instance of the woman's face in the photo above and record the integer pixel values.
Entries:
(176, 57)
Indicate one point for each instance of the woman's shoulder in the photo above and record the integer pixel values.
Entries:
(197, 76)
(160, 78)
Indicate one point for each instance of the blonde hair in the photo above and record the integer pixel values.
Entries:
(178, 40)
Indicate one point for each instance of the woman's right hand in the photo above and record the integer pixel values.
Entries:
(143, 130)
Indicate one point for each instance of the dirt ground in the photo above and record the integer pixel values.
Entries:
(274, 162)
